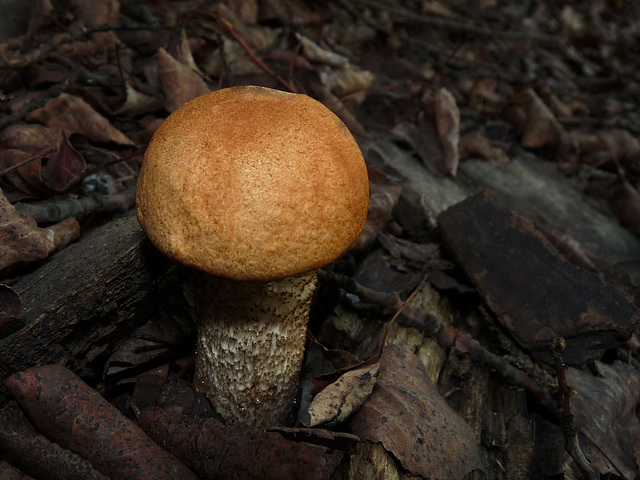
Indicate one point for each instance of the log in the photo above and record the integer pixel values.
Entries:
(85, 299)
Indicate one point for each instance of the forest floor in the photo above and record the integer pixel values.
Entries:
(484, 324)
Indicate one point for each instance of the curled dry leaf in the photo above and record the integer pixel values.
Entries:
(22, 241)
(447, 118)
(534, 119)
(339, 400)
(75, 416)
(179, 83)
(407, 415)
(383, 196)
(74, 115)
(54, 166)
(436, 135)
(346, 80)
(476, 144)
(316, 54)
(625, 204)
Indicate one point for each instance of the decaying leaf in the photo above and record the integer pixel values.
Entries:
(339, 400)
(447, 118)
(39, 160)
(179, 83)
(74, 115)
(22, 241)
(383, 196)
(409, 417)
(534, 119)
(436, 135)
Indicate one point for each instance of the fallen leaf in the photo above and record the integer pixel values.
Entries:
(22, 241)
(408, 416)
(447, 118)
(179, 83)
(74, 115)
(340, 399)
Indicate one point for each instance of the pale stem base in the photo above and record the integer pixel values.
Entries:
(251, 339)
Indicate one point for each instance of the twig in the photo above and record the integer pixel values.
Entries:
(57, 209)
(43, 98)
(572, 445)
(227, 25)
(406, 16)
(29, 159)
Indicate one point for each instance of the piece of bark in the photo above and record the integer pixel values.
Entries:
(77, 417)
(216, 451)
(535, 294)
(86, 299)
(529, 188)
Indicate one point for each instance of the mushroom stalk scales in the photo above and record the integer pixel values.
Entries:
(251, 345)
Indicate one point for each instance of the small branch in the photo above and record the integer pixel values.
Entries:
(572, 445)
(52, 92)
(229, 28)
(58, 209)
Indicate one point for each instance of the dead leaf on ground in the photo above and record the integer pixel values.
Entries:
(409, 417)
(22, 241)
(476, 144)
(534, 120)
(179, 83)
(337, 401)
(74, 115)
(436, 134)
(383, 196)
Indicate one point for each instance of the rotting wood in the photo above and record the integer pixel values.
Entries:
(85, 299)
(535, 294)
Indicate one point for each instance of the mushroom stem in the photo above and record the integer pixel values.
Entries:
(251, 339)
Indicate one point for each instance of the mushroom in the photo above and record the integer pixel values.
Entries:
(255, 189)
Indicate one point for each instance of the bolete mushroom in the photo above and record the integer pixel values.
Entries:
(255, 189)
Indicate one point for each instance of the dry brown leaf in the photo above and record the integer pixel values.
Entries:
(95, 12)
(179, 83)
(316, 54)
(447, 118)
(476, 144)
(22, 241)
(57, 166)
(73, 115)
(346, 80)
(383, 196)
(407, 415)
(541, 128)
(340, 399)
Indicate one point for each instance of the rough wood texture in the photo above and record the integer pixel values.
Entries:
(85, 299)
(535, 294)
